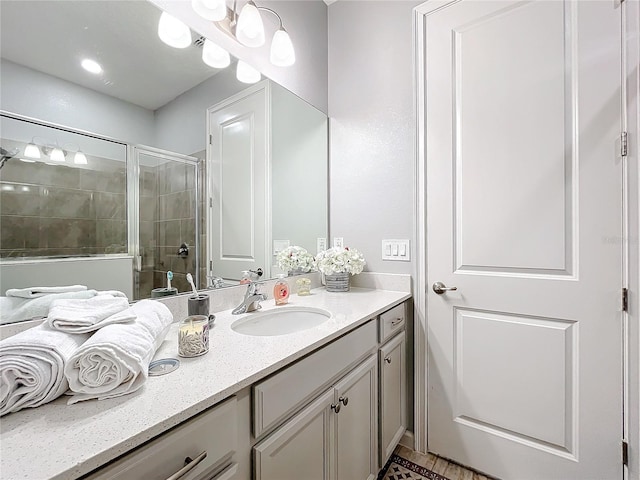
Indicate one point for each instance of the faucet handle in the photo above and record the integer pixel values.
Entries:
(253, 288)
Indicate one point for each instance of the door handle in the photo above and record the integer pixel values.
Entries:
(440, 288)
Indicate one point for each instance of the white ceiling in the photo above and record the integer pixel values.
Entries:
(54, 36)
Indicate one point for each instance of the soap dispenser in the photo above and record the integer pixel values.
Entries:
(281, 291)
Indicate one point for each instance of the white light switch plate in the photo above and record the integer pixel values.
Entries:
(396, 250)
(279, 245)
(321, 244)
(338, 242)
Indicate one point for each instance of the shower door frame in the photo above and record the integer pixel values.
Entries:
(133, 202)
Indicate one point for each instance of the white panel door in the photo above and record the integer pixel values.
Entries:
(524, 204)
(238, 170)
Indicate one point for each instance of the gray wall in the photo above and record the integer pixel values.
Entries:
(306, 22)
(371, 126)
(181, 123)
(38, 95)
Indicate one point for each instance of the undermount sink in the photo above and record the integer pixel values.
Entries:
(280, 321)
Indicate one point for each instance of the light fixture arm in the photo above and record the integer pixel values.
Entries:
(265, 9)
(235, 15)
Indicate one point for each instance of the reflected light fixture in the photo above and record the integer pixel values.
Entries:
(91, 66)
(32, 151)
(245, 73)
(173, 32)
(80, 158)
(214, 10)
(57, 155)
(214, 55)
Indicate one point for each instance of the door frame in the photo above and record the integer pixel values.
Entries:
(630, 240)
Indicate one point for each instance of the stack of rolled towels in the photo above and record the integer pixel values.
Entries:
(97, 347)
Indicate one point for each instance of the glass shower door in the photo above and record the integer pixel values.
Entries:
(167, 220)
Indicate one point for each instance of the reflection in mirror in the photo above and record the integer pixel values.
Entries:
(147, 94)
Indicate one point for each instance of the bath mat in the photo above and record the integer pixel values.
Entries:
(398, 468)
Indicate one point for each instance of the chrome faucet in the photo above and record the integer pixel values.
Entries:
(251, 301)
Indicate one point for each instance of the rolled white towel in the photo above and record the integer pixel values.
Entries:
(35, 292)
(115, 360)
(32, 367)
(14, 309)
(88, 315)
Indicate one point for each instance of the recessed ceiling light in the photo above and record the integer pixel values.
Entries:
(91, 66)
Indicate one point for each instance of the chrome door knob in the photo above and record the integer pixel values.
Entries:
(440, 288)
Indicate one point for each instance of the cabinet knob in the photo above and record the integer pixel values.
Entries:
(344, 400)
(336, 407)
(395, 322)
(387, 359)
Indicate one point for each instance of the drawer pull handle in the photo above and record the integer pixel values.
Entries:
(190, 465)
(336, 407)
(387, 359)
(344, 400)
(397, 321)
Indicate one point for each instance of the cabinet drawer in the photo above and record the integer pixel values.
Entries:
(279, 396)
(213, 432)
(391, 322)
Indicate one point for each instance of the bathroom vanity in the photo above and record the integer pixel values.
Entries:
(327, 402)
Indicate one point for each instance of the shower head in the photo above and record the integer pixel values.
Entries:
(5, 155)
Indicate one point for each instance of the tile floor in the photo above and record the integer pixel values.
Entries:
(439, 465)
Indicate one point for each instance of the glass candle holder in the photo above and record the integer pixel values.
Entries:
(304, 286)
(193, 336)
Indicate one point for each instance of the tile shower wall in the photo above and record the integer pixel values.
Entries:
(58, 210)
(167, 219)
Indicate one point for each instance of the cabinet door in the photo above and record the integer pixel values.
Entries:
(393, 395)
(357, 423)
(300, 447)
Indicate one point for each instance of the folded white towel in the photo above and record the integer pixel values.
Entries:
(32, 367)
(14, 309)
(115, 360)
(35, 292)
(88, 315)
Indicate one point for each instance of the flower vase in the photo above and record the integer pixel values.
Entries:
(337, 282)
(297, 271)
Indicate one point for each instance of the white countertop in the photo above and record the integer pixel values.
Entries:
(57, 441)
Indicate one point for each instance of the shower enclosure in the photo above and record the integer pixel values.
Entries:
(82, 208)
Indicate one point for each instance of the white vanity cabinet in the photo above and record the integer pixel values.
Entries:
(202, 448)
(392, 357)
(324, 409)
(334, 437)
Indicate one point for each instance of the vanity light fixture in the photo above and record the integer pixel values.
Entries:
(245, 73)
(173, 32)
(247, 28)
(91, 66)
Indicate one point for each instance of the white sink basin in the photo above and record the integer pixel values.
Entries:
(280, 321)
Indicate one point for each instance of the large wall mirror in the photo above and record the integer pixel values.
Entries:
(145, 158)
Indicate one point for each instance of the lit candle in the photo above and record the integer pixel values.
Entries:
(193, 336)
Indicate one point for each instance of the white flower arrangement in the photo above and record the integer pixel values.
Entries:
(340, 260)
(295, 258)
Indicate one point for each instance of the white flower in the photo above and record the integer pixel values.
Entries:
(340, 260)
(295, 258)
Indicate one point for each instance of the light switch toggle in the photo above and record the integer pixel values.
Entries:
(396, 250)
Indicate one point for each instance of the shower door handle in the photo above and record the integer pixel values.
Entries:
(137, 263)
